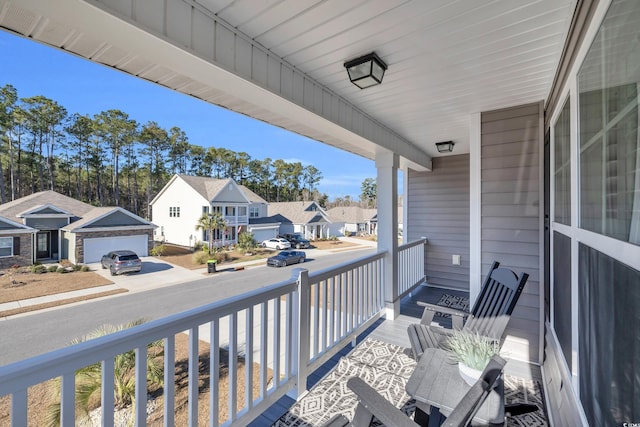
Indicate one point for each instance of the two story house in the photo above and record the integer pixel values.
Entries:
(184, 199)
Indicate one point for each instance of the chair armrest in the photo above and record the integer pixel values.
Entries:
(377, 405)
(457, 316)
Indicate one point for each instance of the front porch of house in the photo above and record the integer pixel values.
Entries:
(385, 343)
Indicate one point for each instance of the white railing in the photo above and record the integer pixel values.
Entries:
(236, 220)
(411, 266)
(286, 330)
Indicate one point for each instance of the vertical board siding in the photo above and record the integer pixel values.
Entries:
(511, 197)
(438, 209)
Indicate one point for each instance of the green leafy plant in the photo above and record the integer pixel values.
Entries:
(246, 241)
(38, 269)
(211, 222)
(158, 250)
(472, 349)
(89, 379)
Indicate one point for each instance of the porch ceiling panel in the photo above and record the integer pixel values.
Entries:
(281, 61)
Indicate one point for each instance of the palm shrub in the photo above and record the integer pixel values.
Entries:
(246, 241)
(211, 222)
(88, 380)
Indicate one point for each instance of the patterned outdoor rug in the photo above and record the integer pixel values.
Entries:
(386, 367)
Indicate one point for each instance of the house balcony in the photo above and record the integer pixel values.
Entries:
(236, 220)
(288, 333)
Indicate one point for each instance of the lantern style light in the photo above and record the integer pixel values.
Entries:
(366, 71)
(445, 147)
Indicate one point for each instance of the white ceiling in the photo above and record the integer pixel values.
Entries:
(447, 59)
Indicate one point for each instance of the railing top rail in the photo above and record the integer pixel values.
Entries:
(327, 273)
(412, 244)
(27, 372)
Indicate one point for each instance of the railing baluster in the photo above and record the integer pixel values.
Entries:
(214, 375)
(325, 312)
(288, 337)
(193, 376)
(276, 342)
(233, 365)
(332, 308)
(342, 304)
(67, 400)
(19, 408)
(264, 350)
(316, 320)
(106, 392)
(169, 380)
(248, 359)
(140, 406)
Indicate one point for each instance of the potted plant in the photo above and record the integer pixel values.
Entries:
(472, 351)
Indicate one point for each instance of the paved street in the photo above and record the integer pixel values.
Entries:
(38, 333)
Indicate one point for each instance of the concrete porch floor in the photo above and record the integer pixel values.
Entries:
(394, 332)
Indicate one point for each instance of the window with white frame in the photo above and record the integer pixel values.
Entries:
(608, 124)
(174, 212)
(242, 211)
(562, 167)
(608, 202)
(6, 246)
(254, 212)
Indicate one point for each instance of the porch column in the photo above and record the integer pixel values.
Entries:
(387, 194)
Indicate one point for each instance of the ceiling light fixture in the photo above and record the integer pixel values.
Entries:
(366, 71)
(445, 147)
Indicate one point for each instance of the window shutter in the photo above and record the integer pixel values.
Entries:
(16, 245)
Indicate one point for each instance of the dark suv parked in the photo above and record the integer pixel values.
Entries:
(296, 240)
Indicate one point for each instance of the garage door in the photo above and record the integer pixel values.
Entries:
(261, 234)
(95, 247)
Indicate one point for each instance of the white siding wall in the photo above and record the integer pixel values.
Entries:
(178, 230)
(511, 213)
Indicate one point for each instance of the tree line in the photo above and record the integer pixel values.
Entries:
(109, 159)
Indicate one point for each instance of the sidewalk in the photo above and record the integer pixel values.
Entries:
(159, 274)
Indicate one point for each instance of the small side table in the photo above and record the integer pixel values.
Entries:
(437, 382)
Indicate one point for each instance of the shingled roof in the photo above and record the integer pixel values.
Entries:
(296, 212)
(33, 201)
(351, 214)
(209, 187)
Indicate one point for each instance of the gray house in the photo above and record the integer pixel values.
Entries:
(66, 228)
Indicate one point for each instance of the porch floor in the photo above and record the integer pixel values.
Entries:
(521, 379)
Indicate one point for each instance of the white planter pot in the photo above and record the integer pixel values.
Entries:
(469, 375)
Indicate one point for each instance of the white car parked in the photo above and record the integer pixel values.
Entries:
(276, 243)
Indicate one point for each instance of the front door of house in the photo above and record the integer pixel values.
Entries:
(42, 245)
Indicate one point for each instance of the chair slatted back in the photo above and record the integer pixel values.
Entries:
(495, 304)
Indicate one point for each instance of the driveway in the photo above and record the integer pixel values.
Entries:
(155, 274)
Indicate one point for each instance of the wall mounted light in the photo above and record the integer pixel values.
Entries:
(445, 147)
(366, 71)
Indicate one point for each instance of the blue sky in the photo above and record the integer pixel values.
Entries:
(88, 88)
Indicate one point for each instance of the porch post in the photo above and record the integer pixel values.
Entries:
(387, 194)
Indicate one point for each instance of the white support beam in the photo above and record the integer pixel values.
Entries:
(387, 182)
